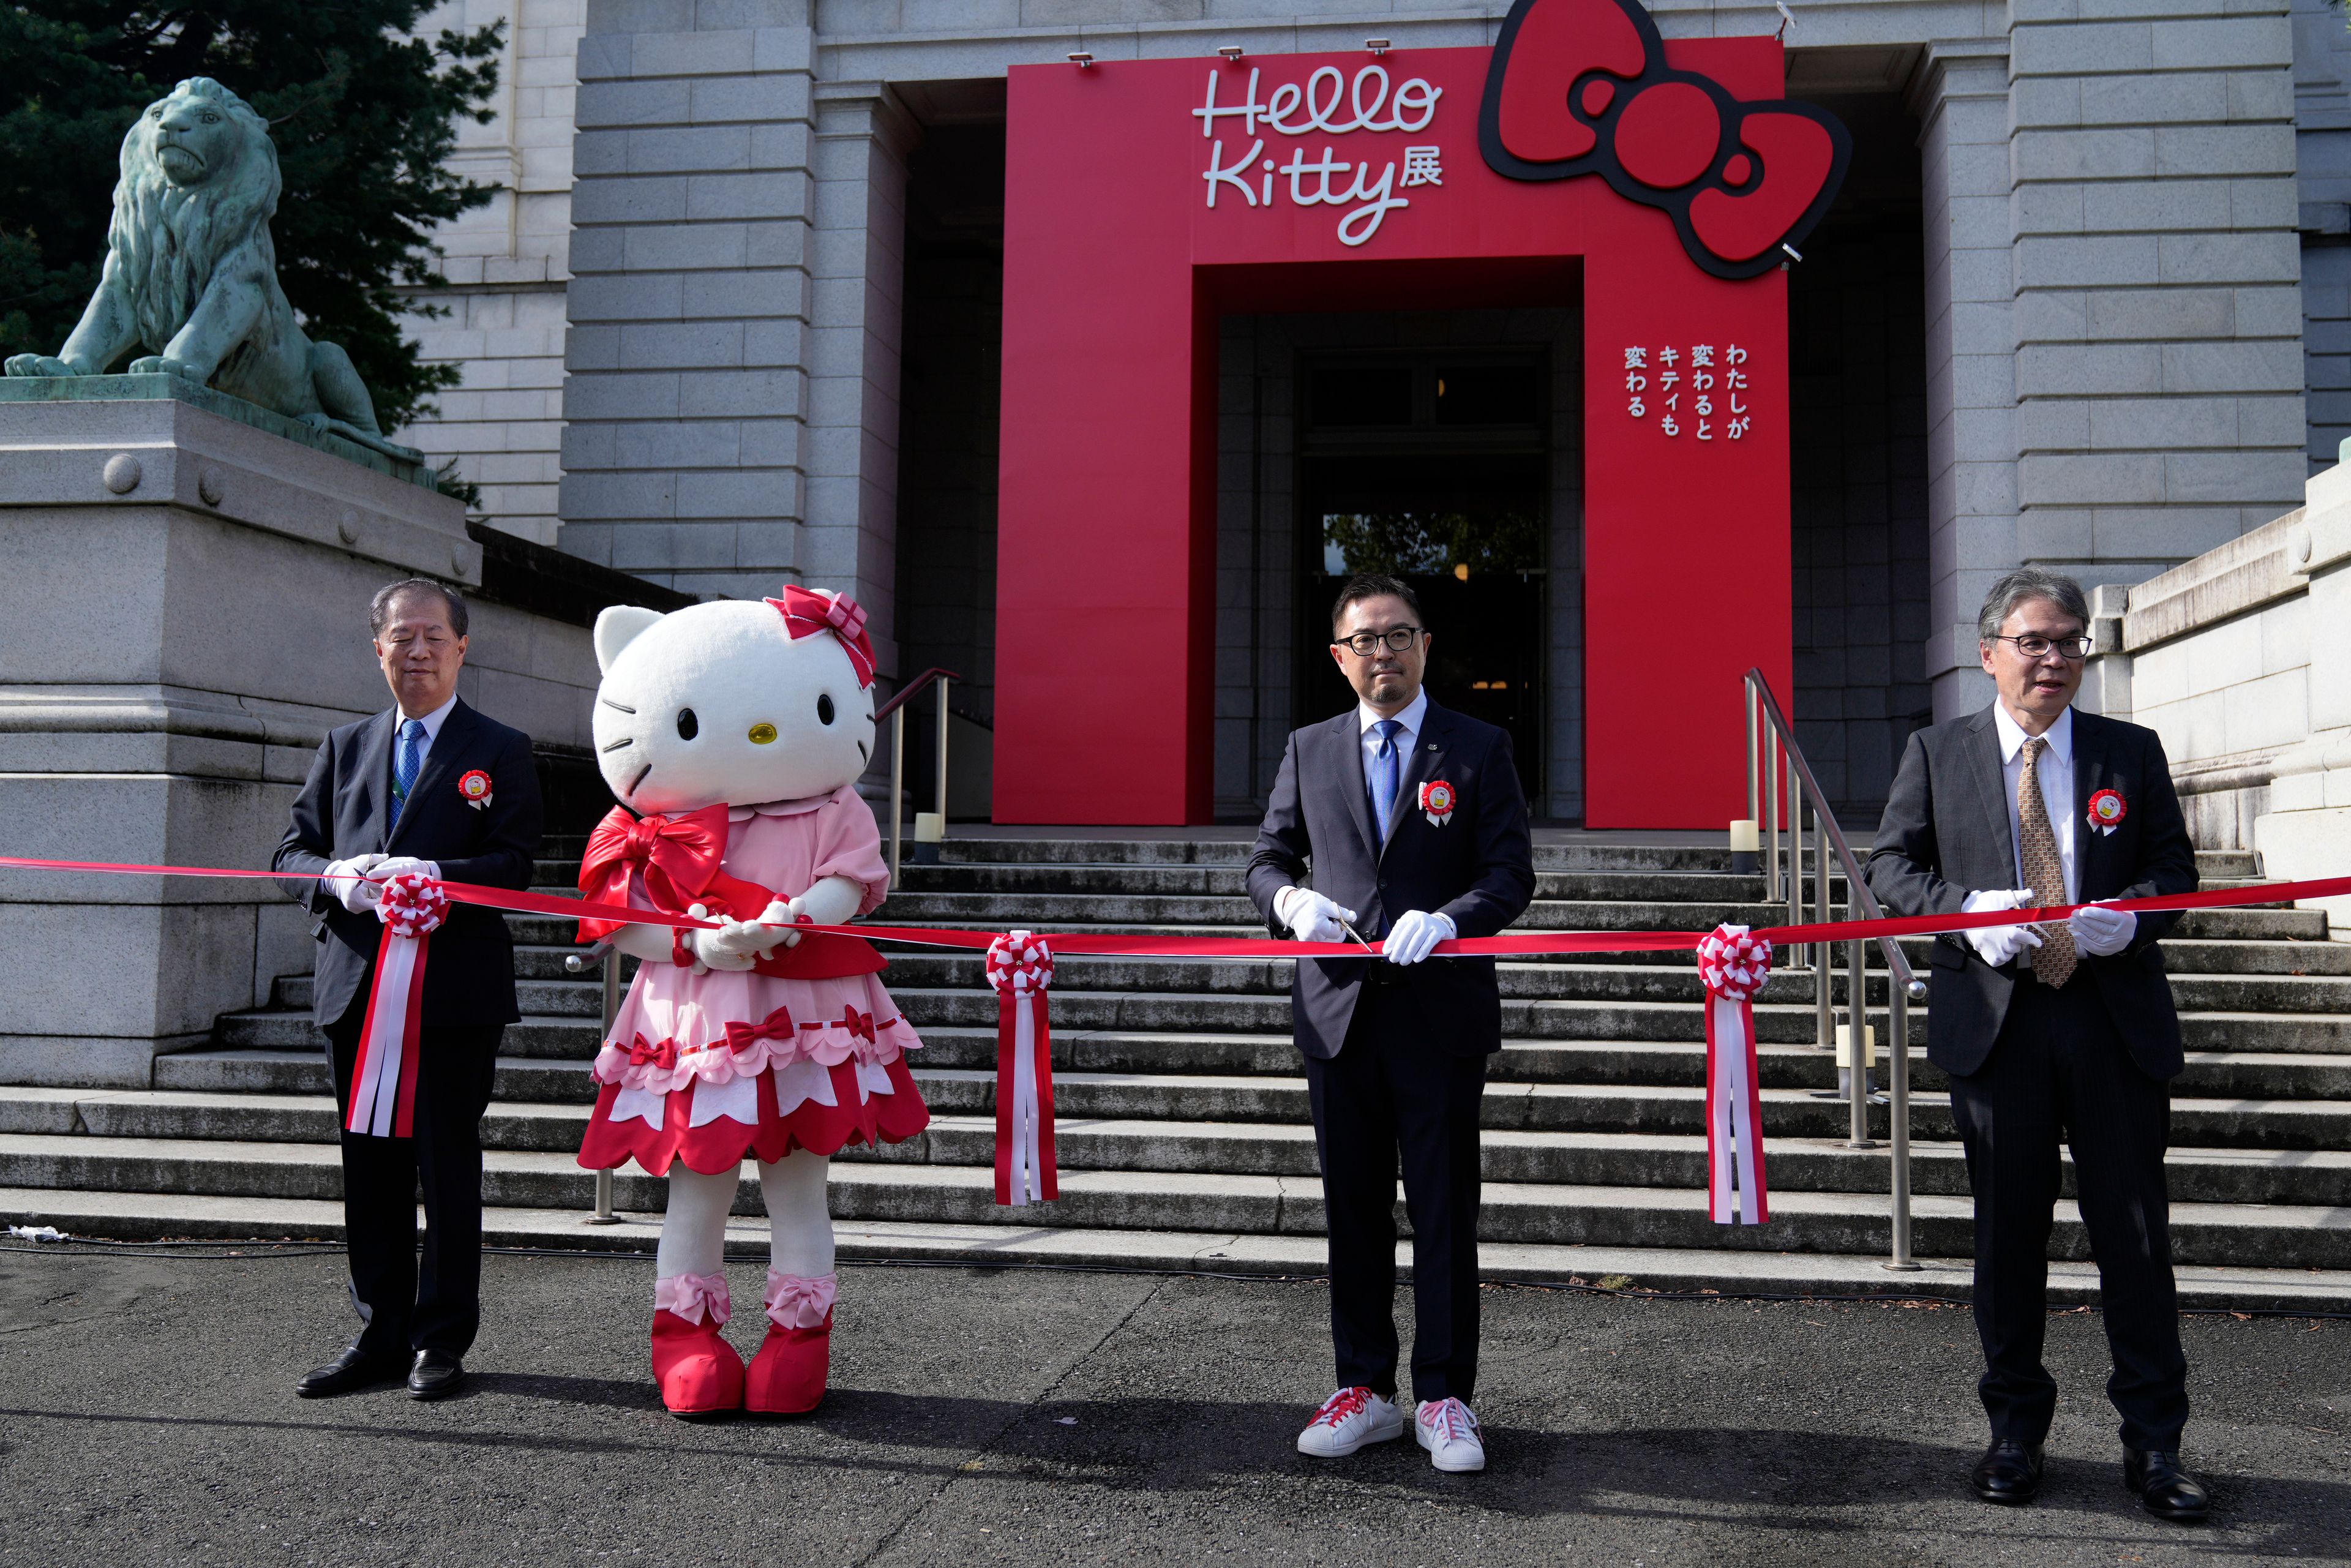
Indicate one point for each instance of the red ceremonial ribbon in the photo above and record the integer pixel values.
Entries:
(1020, 967)
(384, 1074)
(1734, 965)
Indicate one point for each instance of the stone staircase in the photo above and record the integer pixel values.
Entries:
(1183, 1124)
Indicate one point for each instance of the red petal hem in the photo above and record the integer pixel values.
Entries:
(722, 1144)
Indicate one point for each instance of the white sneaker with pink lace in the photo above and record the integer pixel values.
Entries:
(1449, 1431)
(1349, 1419)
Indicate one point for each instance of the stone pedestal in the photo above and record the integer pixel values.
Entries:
(2306, 831)
(184, 617)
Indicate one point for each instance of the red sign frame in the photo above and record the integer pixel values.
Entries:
(1116, 271)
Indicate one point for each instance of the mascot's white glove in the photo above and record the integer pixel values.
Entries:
(347, 881)
(1413, 936)
(1311, 916)
(1999, 945)
(398, 865)
(2100, 933)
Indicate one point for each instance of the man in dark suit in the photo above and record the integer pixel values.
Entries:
(2065, 1032)
(1416, 831)
(387, 795)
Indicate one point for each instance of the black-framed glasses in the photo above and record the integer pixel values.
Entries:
(1363, 645)
(2035, 647)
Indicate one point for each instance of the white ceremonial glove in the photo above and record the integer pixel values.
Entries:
(2100, 933)
(347, 881)
(398, 865)
(707, 945)
(1311, 916)
(831, 902)
(1413, 936)
(1999, 945)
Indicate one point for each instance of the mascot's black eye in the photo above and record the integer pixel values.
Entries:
(687, 725)
(823, 709)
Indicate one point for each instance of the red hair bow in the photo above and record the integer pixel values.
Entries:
(1581, 87)
(807, 611)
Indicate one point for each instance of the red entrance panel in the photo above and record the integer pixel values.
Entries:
(1142, 202)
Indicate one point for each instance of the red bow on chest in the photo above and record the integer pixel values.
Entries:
(679, 857)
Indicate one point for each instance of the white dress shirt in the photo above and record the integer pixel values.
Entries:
(2055, 772)
(1415, 714)
(431, 722)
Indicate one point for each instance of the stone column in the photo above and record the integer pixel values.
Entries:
(1960, 97)
(857, 269)
(2158, 315)
(686, 406)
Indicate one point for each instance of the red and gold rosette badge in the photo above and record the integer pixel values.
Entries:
(2107, 810)
(1437, 802)
(474, 789)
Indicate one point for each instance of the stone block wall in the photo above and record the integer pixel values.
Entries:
(507, 263)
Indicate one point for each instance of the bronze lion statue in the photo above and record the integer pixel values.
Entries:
(191, 275)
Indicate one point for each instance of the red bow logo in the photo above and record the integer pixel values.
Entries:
(1581, 87)
(679, 856)
(741, 1037)
(662, 1056)
(807, 613)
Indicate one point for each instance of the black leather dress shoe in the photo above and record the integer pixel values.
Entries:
(436, 1372)
(2164, 1488)
(2008, 1473)
(354, 1369)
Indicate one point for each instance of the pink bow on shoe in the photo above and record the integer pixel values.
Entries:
(689, 1295)
(796, 1301)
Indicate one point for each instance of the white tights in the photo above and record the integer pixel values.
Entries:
(799, 1223)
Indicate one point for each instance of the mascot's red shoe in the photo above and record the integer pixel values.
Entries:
(698, 1371)
(787, 1376)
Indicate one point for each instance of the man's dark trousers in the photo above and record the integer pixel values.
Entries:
(2059, 1071)
(1394, 1091)
(381, 1177)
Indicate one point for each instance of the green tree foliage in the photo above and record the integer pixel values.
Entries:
(364, 117)
(1410, 544)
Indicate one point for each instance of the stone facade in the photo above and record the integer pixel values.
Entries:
(2130, 321)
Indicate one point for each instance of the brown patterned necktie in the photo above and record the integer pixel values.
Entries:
(2045, 870)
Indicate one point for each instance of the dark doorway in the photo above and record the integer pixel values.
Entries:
(1432, 467)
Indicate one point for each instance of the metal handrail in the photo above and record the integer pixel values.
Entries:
(608, 954)
(894, 710)
(1768, 736)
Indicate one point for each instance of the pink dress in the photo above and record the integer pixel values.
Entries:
(709, 1068)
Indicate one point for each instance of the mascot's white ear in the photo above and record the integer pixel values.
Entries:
(617, 626)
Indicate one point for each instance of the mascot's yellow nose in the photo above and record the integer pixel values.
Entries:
(761, 734)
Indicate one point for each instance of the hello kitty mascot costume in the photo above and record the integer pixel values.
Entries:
(733, 733)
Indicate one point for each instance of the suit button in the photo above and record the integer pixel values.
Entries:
(1384, 881)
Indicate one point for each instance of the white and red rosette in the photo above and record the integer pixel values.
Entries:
(2107, 810)
(473, 788)
(1437, 802)
(1020, 967)
(1733, 963)
(383, 1074)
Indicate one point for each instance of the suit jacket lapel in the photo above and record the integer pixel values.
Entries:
(375, 784)
(437, 763)
(1992, 787)
(1347, 736)
(1427, 751)
(2089, 765)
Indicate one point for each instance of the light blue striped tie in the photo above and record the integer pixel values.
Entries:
(404, 768)
(1384, 774)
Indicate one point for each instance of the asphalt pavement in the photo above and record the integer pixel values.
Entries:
(147, 1415)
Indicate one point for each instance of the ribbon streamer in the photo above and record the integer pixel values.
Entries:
(1734, 964)
(1020, 967)
(383, 1074)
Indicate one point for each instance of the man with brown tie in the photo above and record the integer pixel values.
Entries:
(2062, 1032)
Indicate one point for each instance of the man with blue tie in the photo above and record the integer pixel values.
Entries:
(1416, 829)
(431, 785)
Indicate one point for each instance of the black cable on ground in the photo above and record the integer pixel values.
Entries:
(241, 1251)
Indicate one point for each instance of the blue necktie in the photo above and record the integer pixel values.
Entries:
(404, 768)
(1384, 774)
